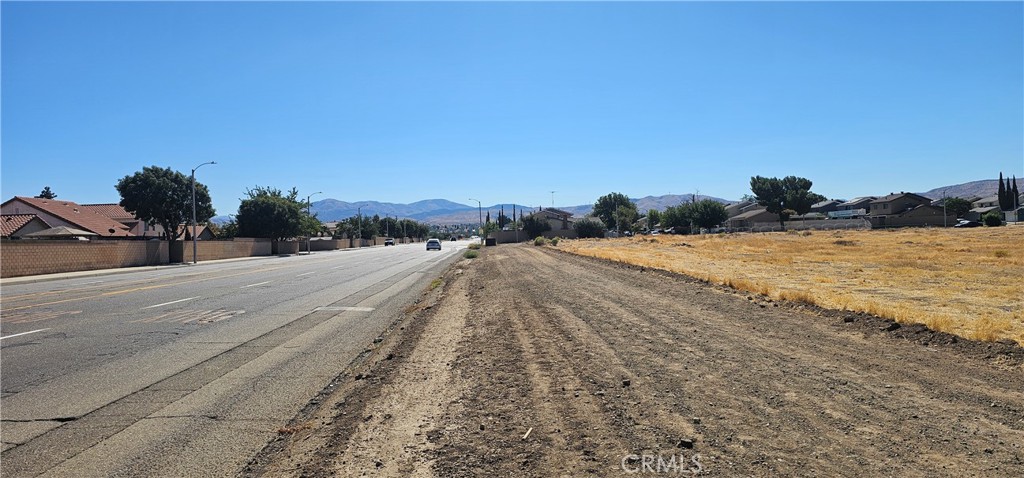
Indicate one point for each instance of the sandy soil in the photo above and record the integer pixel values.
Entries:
(532, 362)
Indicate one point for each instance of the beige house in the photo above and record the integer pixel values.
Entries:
(753, 218)
(57, 212)
(17, 225)
(560, 221)
(897, 203)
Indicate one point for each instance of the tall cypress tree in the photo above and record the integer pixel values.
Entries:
(1002, 192)
(1014, 194)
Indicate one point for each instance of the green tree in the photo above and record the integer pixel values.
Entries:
(607, 205)
(269, 213)
(1002, 193)
(1014, 194)
(992, 218)
(535, 225)
(784, 196)
(653, 218)
(163, 196)
(958, 206)
(46, 194)
(708, 213)
(587, 227)
(625, 216)
(678, 218)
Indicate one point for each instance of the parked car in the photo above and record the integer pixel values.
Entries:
(433, 244)
(389, 242)
(968, 224)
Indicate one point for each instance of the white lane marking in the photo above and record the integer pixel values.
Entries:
(339, 267)
(24, 333)
(344, 309)
(93, 282)
(306, 274)
(254, 285)
(169, 303)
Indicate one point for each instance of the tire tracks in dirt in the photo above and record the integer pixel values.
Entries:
(603, 363)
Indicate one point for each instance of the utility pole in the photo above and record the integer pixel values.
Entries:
(195, 245)
(480, 214)
(553, 199)
(359, 225)
(308, 205)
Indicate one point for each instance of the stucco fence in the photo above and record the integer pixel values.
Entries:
(215, 250)
(34, 257)
(26, 257)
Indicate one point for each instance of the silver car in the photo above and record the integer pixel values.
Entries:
(433, 244)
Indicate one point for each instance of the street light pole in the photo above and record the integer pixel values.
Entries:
(308, 206)
(195, 245)
(480, 224)
(359, 225)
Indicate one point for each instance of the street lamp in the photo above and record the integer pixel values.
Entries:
(195, 245)
(359, 225)
(308, 205)
(480, 213)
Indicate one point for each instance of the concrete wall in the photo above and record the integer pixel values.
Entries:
(32, 257)
(328, 244)
(214, 250)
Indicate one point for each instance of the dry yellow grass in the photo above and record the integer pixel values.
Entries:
(968, 282)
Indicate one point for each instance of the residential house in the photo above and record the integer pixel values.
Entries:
(826, 206)
(897, 203)
(986, 202)
(17, 225)
(737, 208)
(856, 203)
(559, 220)
(137, 226)
(203, 233)
(57, 213)
(753, 218)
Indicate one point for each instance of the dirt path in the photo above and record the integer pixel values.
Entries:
(532, 362)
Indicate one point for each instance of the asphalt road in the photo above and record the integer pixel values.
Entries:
(187, 370)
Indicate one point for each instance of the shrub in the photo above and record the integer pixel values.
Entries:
(540, 241)
(992, 218)
(587, 228)
(554, 241)
(471, 254)
(474, 245)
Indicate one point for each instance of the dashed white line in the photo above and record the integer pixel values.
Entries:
(169, 303)
(254, 285)
(344, 309)
(24, 333)
(306, 274)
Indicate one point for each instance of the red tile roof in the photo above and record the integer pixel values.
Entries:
(77, 215)
(113, 211)
(10, 223)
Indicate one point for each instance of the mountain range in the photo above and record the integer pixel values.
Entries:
(443, 211)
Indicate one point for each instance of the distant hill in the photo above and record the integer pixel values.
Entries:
(442, 211)
(982, 188)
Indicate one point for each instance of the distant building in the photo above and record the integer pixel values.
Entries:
(825, 207)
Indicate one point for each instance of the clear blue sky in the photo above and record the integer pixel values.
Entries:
(505, 102)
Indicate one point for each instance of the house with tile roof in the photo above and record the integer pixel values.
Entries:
(56, 212)
(118, 213)
(17, 225)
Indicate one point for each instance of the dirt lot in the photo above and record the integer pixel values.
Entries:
(533, 362)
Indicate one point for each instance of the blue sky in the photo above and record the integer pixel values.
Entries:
(505, 102)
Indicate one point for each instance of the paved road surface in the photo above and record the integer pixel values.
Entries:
(188, 370)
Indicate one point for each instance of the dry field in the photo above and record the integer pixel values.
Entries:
(968, 282)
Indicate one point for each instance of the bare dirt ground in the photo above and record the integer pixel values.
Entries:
(532, 362)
